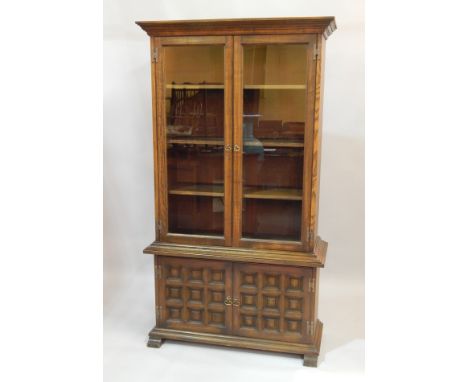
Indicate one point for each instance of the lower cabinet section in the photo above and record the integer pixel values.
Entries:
(193, 294)
(250, 305)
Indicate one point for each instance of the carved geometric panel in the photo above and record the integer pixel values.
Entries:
(271, 323)
(271, 281)
(195, 295)
(195, 274)
(216, 277)
(274, 302)
(216, 318)
(295, 284)
(216, 297)
(271, 302)
(175, 314)
(294, 304)
(249, 300)
(248, 321)
(195, 316)
(174, 273)
(294, 326)
(191, 294)
(249, 279)
(174, 293)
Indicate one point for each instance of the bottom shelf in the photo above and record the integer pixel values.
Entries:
(196, 215)
(272, 219)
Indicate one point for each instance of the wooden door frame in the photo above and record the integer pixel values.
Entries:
(306, 228)
(161, 283)
(160, 142)
(308, 307)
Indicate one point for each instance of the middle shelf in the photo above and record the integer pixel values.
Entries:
(220, 142)
(217, 190)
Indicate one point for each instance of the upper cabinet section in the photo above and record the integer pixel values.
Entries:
(296, 25)
(236, 115)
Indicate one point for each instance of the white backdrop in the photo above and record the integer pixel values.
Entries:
(129, 208)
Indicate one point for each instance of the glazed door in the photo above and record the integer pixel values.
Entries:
(192, 84)
(273, 302)
(274, 92)
(192, 295)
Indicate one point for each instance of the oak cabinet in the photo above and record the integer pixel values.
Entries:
(237, 131)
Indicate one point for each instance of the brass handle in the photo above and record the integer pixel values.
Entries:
(236, 148)
(228, 148)
(235, 302)
(228, 301)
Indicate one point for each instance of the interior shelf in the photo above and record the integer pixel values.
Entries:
(220, 142)
(194, 86)
(272, 193)
(197, 141)
(198, 190)
(275, 87)
(221, 86)
(276, 143)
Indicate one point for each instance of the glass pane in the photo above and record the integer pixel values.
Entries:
(194, 91)
(275, 80)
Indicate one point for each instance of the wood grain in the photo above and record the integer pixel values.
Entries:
(228, 127)
(237, 140)
(241, 342)
(216, 27)
(307, 229)
(317, 139)
(265, 256)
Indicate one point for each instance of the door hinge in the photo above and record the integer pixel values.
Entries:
(155, 54)
(311, 284)
(158, 226)
(316, 51)
(310, 327)
(310, 235)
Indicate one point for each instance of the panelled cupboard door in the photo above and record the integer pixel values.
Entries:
(274, 93)
(273, 302)
(192, 295)
(192, 79)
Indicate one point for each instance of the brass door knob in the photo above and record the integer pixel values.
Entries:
(236, 148)
(235, 302)
(228, 301)
(227, 148)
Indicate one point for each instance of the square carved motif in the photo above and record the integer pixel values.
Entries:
(174, 293)
(271, 323)
(271, 281)
(216, 318)
(249, 279)
(196, 294)
(195, 275)
(249, 300)
(196, 315)
(174, 273)
(270, 302)
(217, 277)
(175, 313)
(248, 321)
(216, 296)
(294, 304)
(295, 283)
(294, 326)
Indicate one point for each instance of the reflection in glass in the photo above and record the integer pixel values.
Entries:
(274, 102)
(194, 93)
